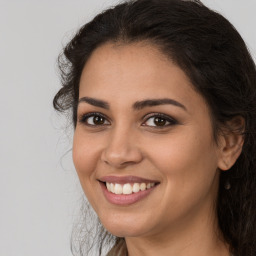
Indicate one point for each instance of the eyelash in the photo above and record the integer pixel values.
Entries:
(171, 121)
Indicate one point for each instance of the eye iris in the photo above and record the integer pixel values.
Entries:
(159, 121)
(98, 120)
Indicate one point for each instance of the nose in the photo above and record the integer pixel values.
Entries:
(121, 149)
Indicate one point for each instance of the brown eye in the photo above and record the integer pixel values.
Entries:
(94, 119)
(98, 120)
(159, 121)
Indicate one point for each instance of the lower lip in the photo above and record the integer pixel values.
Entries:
(125, 199)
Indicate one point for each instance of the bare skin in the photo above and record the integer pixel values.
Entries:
(170, 142)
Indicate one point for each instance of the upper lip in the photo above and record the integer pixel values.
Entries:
(126, 179)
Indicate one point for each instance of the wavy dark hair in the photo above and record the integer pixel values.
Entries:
(215, 58)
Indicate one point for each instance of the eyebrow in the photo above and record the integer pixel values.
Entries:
(94, 102)
(138, 105)
(156, 102)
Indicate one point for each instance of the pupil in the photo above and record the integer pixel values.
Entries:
(159, 121)
(98, 120)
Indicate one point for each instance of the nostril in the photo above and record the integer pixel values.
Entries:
(122, 157)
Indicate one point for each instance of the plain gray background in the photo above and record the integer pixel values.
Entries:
(39, 191)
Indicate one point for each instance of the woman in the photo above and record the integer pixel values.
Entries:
(163, 99)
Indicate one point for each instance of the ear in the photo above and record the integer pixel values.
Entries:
(231, 142)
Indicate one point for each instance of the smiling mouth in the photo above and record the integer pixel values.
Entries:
(127, 188)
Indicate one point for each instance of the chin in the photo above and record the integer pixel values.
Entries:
(123, 227)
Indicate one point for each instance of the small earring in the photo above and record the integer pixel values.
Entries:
(227, 185)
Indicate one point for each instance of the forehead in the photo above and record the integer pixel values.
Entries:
(130, 72)
(119, 61)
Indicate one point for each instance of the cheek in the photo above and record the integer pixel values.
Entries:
(188, 163)
(85, 156)
(179, 150)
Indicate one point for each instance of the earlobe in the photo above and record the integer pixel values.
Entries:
(231, 143)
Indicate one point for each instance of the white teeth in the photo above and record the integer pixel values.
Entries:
(143, 186)
(128, 188)
(112, 188)
(118, 189)
(136, 187)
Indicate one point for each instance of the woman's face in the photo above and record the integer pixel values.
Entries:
(144, 132)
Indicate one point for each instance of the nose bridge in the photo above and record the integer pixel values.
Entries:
(121, 148)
